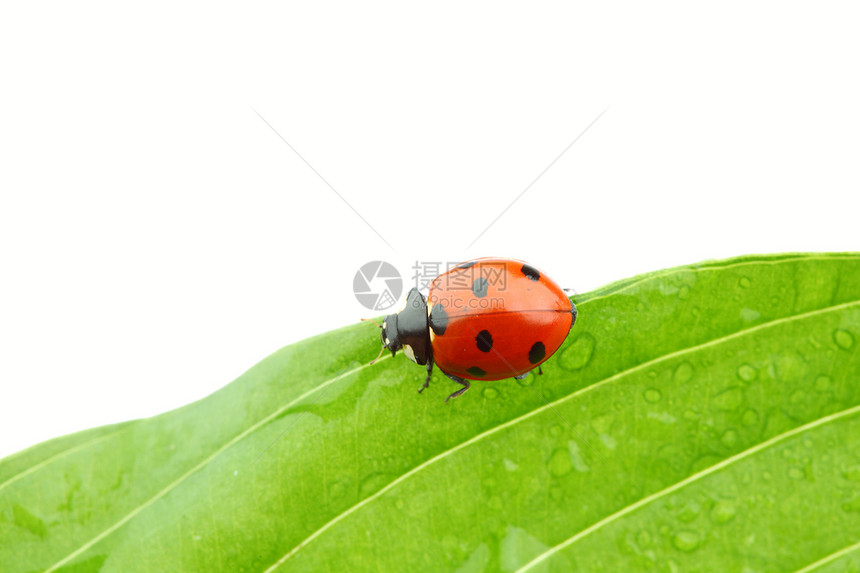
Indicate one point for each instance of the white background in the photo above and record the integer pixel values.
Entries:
(157, 238)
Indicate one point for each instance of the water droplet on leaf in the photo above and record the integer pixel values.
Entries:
(729, 438)
(823, 383)
(686, 541)
(750, 418)
(683, 373)
(749, 315)
(728, 400)
(652, 395)
(722, 512)
(795, 473)
(578, 354)
(843, 339)
(560, 464)
(747, 373)
(851, 473)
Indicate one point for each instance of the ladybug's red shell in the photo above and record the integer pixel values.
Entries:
(496, 318)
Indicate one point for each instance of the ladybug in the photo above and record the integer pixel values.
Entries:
(485, 319)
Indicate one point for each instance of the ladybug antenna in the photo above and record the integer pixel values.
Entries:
(373, 321)
(381, 350)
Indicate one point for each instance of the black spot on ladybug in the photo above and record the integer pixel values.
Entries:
(479, 287)
(468, 265)
(531, 272)
(475, 371)
(537, 353)
(438, 319)
(484, 340)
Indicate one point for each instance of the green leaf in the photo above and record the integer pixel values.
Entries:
(703, 418)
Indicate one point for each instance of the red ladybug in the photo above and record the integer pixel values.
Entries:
(486, 319)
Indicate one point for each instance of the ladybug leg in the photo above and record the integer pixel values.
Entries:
(524, 374)
(429, 374)
(458, 380)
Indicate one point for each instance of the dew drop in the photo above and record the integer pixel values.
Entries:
(744, 282)
(795, 473)
(728, 400)
(601, 424)
(652, 395)
(749, 315)
(689, 511)
(560, 464)
(747, 373)
(823, 383)
(643, 538)
(729, 438)
(576, 457)
(851, 473)
(510, 465)
(490, 393)
(683, 373)
(373, 483)
(555, 431)
(843, 339)
(691, 415)
(664, 417)
(722, 512)
(750, 418)
(608, 441)
(578, 354)
(686, 541)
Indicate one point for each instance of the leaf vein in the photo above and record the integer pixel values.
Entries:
(543, 408)
(240, 436)
(58, 456)
(830, 558)
(689, 480)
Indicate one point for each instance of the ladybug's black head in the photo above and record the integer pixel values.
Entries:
(407, 329)
(390, 337)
